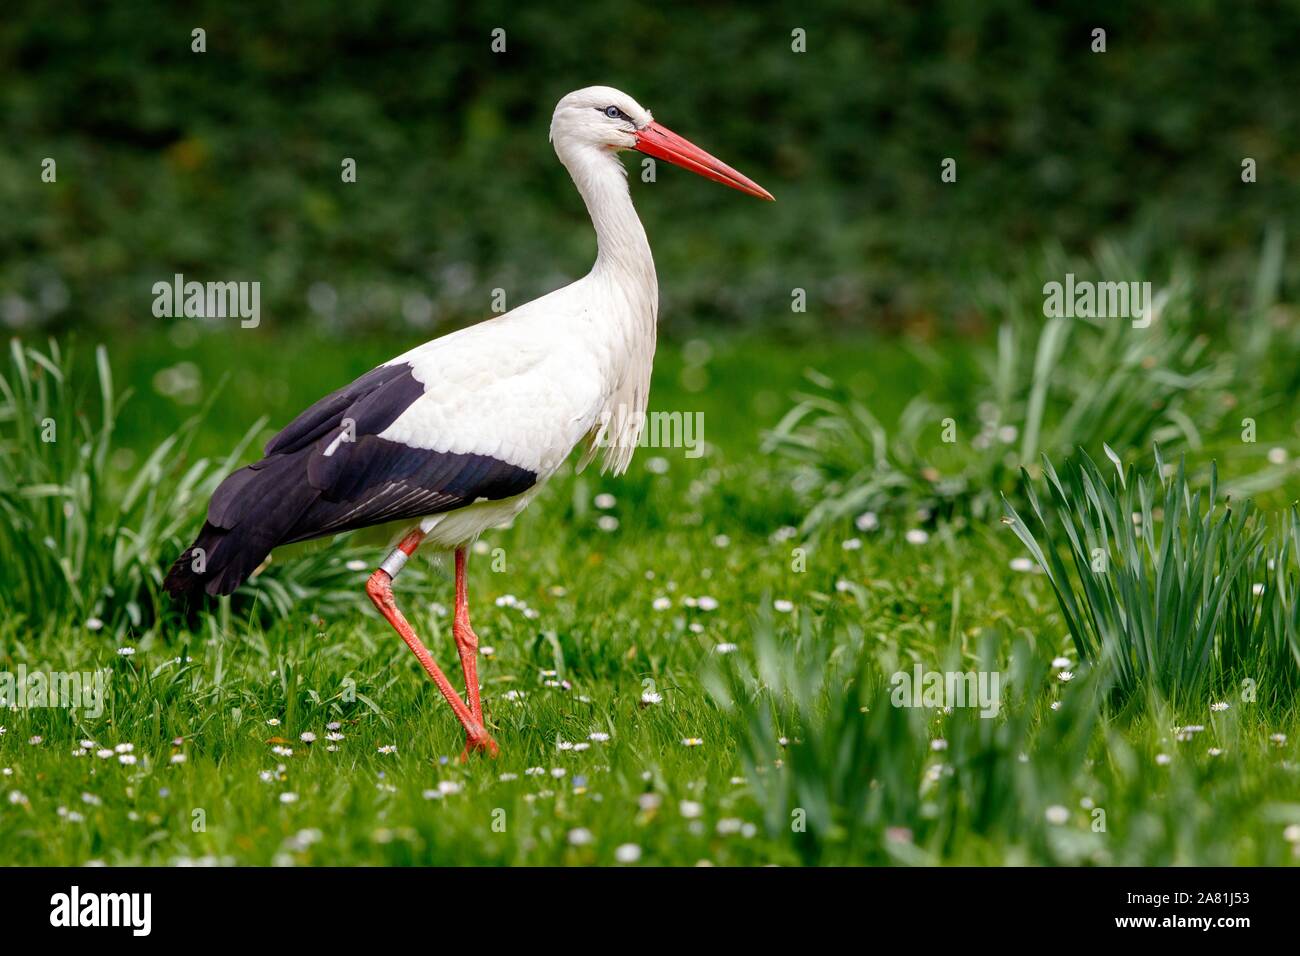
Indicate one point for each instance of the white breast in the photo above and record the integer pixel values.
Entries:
(519, 388)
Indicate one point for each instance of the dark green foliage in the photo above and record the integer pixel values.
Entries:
(226, 164)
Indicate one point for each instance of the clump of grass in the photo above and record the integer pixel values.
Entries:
(78, 544)
(1171, 590)
(834, 758)
(1078, 384)
(1048, 386)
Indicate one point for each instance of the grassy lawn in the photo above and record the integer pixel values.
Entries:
(674, 674)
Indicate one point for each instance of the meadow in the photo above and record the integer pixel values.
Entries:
(912, 467)
(691, 664)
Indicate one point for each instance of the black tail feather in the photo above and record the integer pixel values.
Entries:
(190, 573)
(251, 512)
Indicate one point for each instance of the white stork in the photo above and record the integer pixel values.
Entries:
(460, 433)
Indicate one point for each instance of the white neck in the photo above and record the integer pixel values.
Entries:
(623, 253)
(624, 274)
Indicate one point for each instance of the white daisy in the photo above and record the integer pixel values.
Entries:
(867, 521)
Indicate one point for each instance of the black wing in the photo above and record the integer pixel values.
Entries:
(328, 471)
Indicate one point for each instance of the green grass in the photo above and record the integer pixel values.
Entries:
(856, 780)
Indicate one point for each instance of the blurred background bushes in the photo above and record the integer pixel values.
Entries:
(226, 165)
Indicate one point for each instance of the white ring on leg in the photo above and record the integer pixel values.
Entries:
(394, 563)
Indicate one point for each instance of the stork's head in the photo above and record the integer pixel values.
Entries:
(601, 117)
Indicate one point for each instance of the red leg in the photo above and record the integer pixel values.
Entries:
(466, 640)
(380, 590)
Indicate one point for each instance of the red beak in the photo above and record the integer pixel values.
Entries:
(663, 143)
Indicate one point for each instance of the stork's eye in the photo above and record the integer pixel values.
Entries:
(613, 112)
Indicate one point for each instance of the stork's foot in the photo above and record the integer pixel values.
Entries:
(480, 744)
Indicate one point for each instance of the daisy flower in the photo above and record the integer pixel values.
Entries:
(630, 852)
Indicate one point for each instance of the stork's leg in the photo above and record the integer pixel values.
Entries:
(466, 639)
(380, 589)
